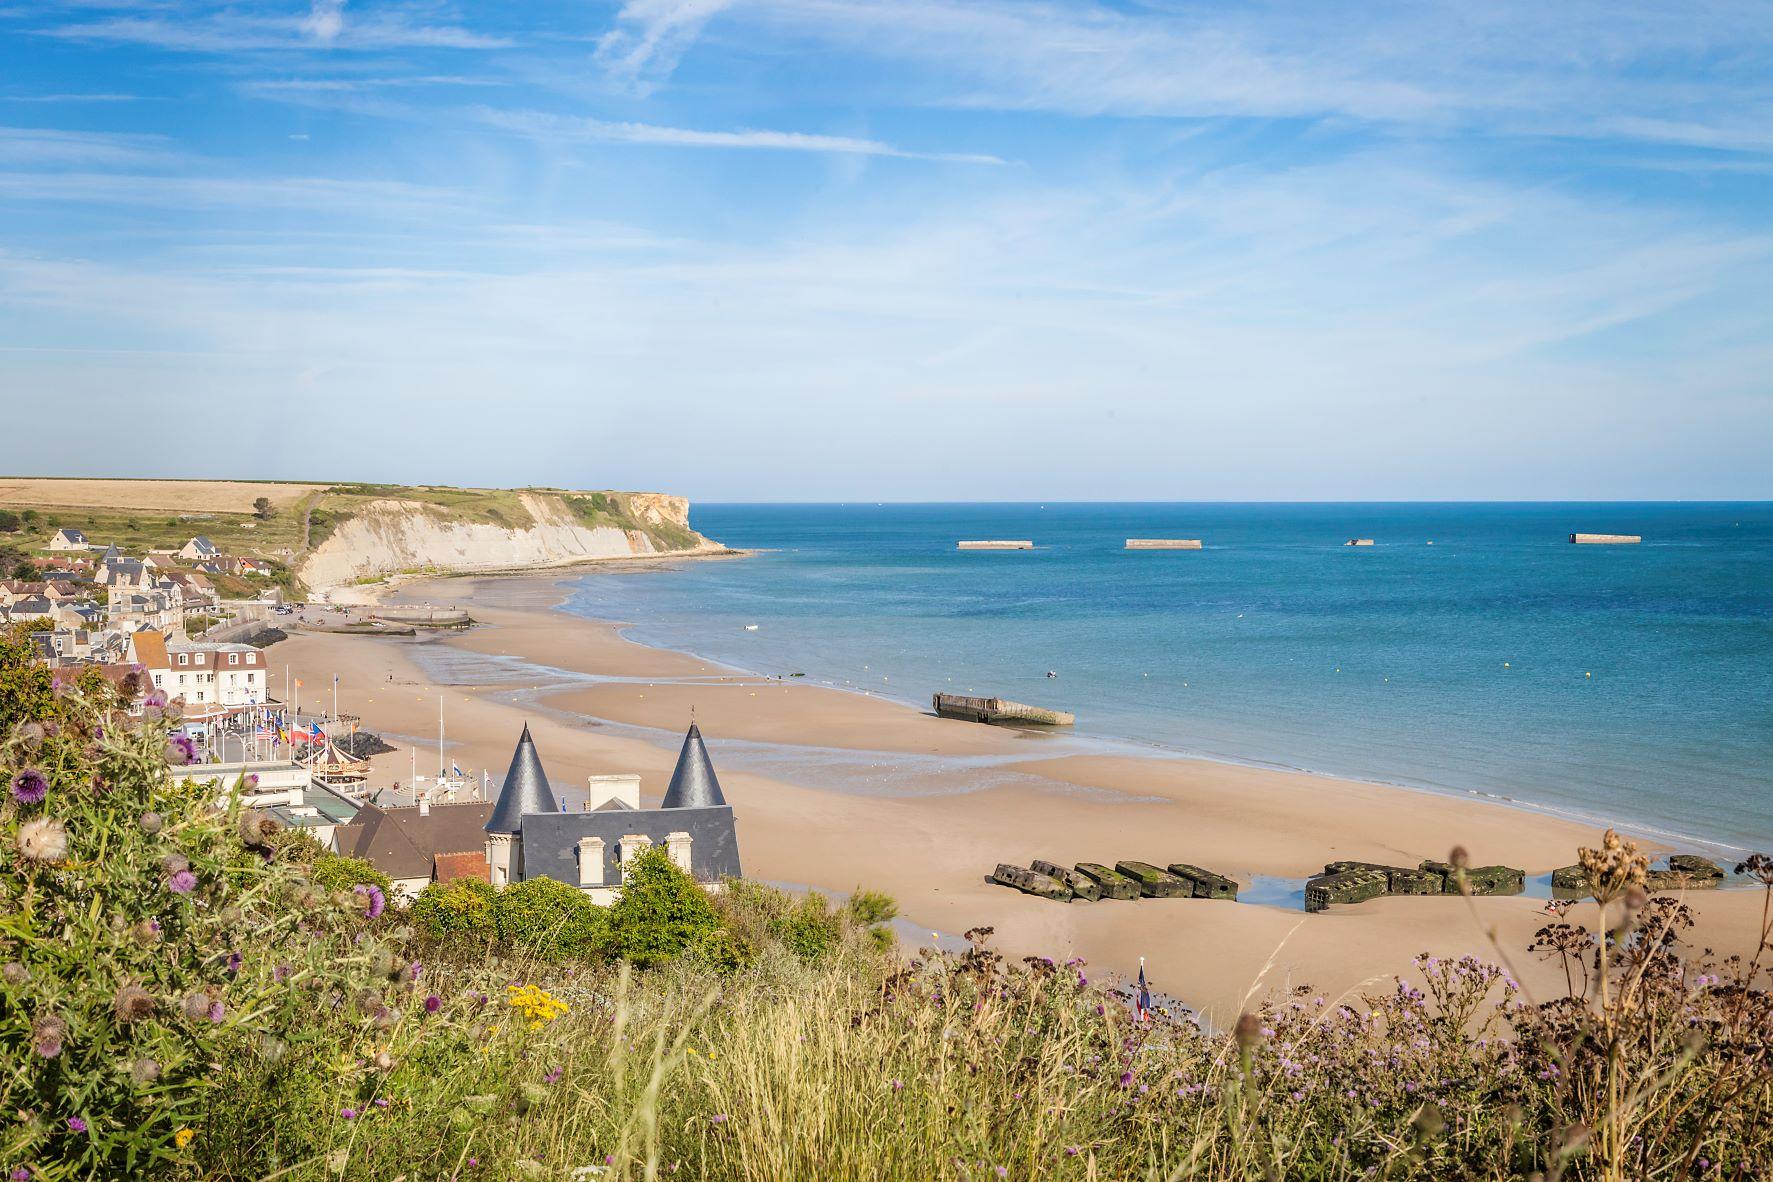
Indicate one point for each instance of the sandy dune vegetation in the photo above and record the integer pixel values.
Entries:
(169, 496)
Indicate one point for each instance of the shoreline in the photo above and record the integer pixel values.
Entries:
(926, 806)
(1653, 837)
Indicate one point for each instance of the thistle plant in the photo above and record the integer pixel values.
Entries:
(146, 930)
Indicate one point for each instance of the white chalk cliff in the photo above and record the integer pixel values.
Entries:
(385, 537)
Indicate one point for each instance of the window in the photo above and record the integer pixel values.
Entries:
(233, 658)
(184, 658)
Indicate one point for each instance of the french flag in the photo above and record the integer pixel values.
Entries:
(1142, 999)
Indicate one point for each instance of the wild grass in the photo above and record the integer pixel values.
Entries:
(860, 1064)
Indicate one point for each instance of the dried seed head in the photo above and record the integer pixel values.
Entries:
(383, 1061)
(132, 1004)
(1459, 859)
(151, 823)
(145, 932)
(1429, 1123)
(48, 1032)
(42, 840)
(144, 1071)
(256, 828)
(1248, 1031)
(173, 863)
(196, 1006)
(15, 974)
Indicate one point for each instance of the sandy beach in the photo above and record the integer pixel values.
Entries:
(835, 790)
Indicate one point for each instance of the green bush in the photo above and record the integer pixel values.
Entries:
(335, 873)
(549, 919)
(459, 911)
(660, 913)
(810, 930)
(145, 935)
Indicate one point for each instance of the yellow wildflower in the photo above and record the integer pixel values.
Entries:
(184, 1137)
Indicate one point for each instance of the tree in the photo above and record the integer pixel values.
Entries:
(261, 508)
(9, 521)
(549, 919)
(32, 517)
(461, 909)
(661, 911)
(337, 873)
(26, 688)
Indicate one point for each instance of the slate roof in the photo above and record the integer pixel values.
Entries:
(551, 840)
(402, 844)
(693, 783)
(525, 790)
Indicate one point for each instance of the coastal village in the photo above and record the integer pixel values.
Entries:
(158, 615)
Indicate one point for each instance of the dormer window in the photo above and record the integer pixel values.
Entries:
(184, 658)
(233, 658)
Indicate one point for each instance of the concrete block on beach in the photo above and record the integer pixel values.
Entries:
(1694, 867)
(996, 544)
(1414, 882)
(1163, 543)
(1112, 883)
(1028, 882)
(1351, 886)
(1081, 886)
(1155, 882)
(1605, 539)
(1483, 880)
(1207, 885)
(1569, 878)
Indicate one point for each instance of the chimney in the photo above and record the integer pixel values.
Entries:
(424, 804)
(624, 789)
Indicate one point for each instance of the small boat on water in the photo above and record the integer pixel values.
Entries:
(998, 711)
(750, 627)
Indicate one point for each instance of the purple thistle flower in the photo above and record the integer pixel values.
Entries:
(554, 1074)
(348, 1113)
(1126, 1079)
(21, 1175)
(378, 902)
(433, 1003)
(180, 750)
(29, 786)
(415, 970)
(155, 698)
(234, 963)
(182, 883)
(76, 1125)
(719, 1118)
(217, 1011)
(381, 1103)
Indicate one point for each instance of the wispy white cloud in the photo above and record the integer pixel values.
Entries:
(38, 147)
(70, 98)
(649, 36)
(325, 21)
(572, 129)
(229, 30)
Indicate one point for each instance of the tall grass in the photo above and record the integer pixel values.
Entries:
(860, 1065)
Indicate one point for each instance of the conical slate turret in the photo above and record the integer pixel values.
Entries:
(694, 784)
(525, 789)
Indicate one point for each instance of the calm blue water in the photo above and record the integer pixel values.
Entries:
(1632, 683)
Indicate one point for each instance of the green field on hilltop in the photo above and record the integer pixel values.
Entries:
(142, 515)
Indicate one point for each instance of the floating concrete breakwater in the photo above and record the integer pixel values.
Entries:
(996, 544)
(1163, 544)
(1358, 542)
(1605, 539)
(1683, 872)
(1092, 881)
(1343, 883)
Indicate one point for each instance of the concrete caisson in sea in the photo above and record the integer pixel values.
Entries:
(1605, 539)
(1163, 544)
(1358, 542)
(1000, 711)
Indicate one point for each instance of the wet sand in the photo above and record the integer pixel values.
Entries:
(836, 790)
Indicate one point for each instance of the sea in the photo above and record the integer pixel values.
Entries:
(1471, 649)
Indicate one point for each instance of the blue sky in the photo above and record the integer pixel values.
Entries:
(895, 249)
